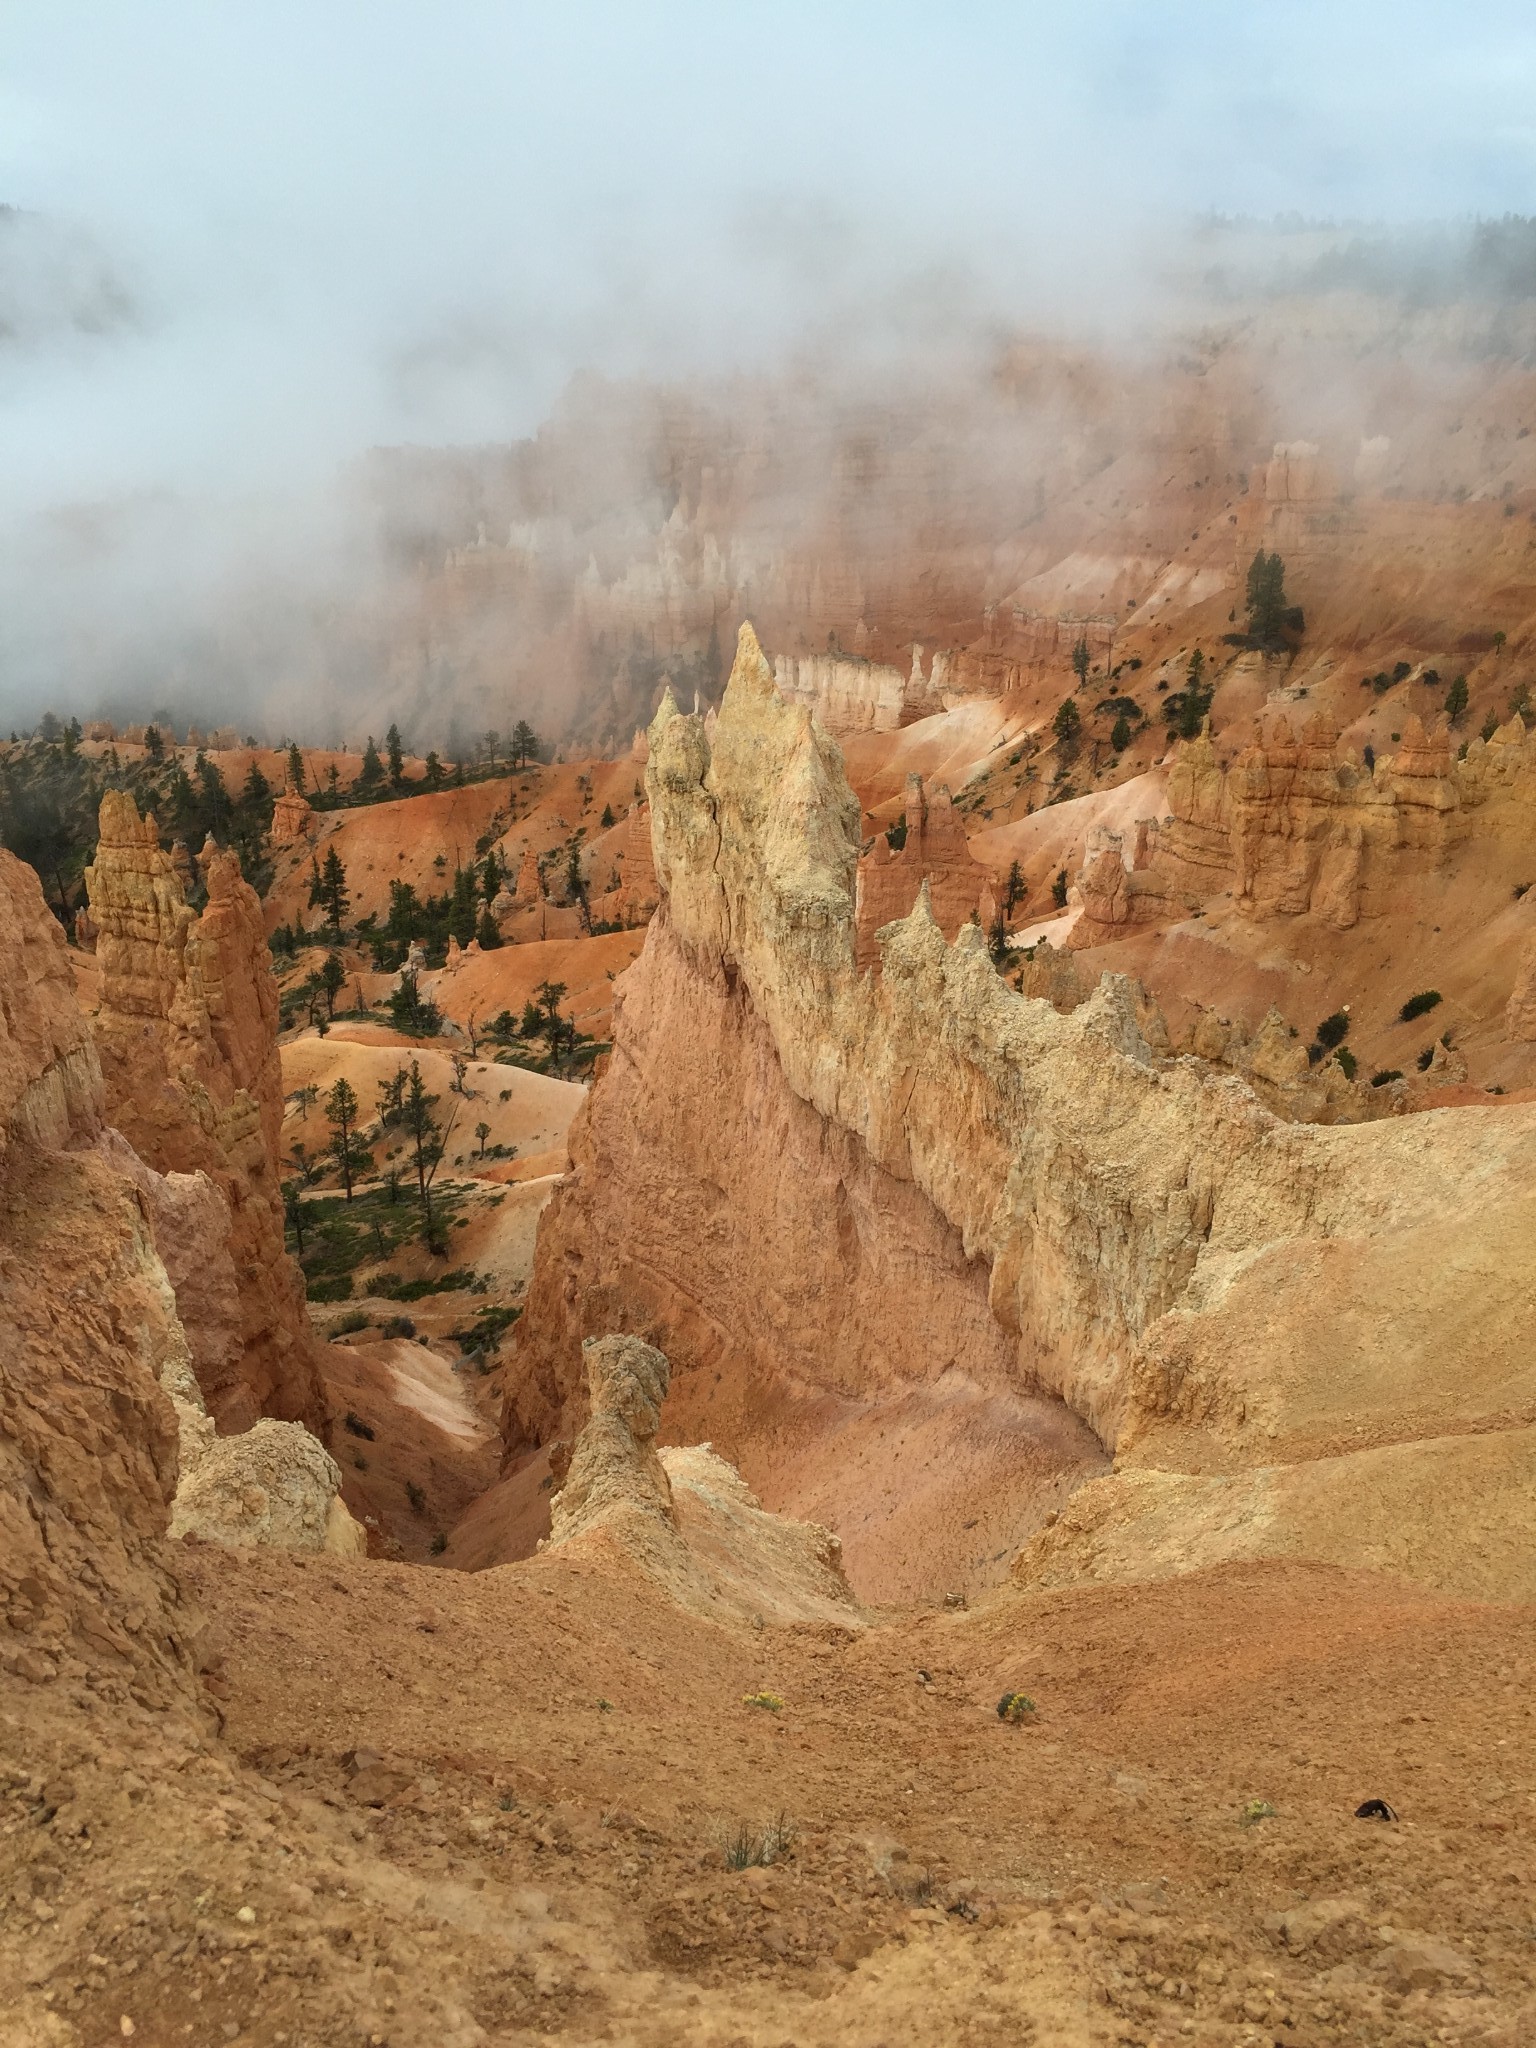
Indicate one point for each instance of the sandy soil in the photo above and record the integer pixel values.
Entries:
(558, 1758)
(530, 1111)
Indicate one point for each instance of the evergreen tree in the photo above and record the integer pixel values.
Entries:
(1067, 723)
(333, 979)
(212, 797)
(341, 1115)
(371, 774)
(296, 769)
(1456, 700)
(293, 1214)
(487, 931)
(256, 796)
(1081, 659)
(435, 775)
(429, 1141)
(396, 754)
(316, 886)
(1120, 736)
(333, 891)
(154, 745)
(1271, 615)
(415, 1014)
(525, 745)
(491, 884)
(461, 908)
(607, 817)
(1014, 890)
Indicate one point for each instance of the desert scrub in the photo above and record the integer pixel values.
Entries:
(1015, 1707)
(1255, 1811)
(748, 1847)
(1416, 1006)
(769, 1702)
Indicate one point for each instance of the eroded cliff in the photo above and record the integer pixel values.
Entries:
(187, 1032)
(1129, 1240)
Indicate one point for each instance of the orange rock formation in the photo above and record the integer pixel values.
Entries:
(187, 1031)
(936, 851)
(1083, 1219)
(1291, 826)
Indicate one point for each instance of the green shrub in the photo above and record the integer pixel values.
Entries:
(334, 1287)
(1015, 1707)
(1346, 1061)
(1387, 1074)
(398, 1326)
(1333, 1030)
(1416, 1006)
(746, 1847)
(349, 1324)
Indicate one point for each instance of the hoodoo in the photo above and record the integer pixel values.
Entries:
(1107, 1236)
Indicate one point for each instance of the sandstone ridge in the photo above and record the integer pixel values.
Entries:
(1160, 1255)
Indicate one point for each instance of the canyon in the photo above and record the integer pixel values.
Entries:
(841, 1356)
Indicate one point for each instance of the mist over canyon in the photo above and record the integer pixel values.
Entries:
(767, 1026)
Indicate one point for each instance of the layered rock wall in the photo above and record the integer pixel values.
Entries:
(187, 1033)
(88, 1442)
(1113, 1202)
(1295, 825)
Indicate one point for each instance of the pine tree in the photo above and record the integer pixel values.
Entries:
(1067, 723)
(491, 884)
(1081, 659)
(429, 1139)
(154, 745)
(212, 796)
(396, 753)
(1120, 735)
(1014, 890)
(333, 979)
(371, 774)
(487, 931)
(256, 796)
(525, 745)
(296, 769)
(333, 891)
(434, 772)
(461, 908)
(341, 1115)
(1270, 613)
(1456, 700)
